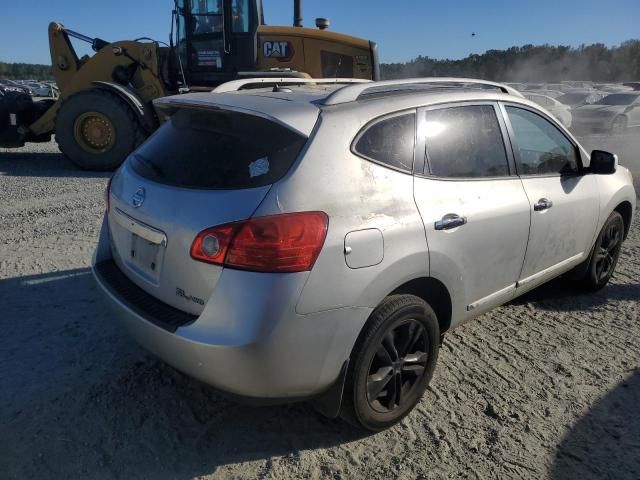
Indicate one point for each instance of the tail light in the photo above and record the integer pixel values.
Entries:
(289, 242)
(107, 202)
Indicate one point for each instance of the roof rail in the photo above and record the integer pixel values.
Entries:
(351, 93)
(235, 85)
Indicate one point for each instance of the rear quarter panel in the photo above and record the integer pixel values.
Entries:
(356, 194)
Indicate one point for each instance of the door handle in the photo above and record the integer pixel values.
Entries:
(450, 221)
(543, 204)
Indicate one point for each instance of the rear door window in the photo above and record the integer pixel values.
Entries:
(390, 141)
(464, 142)
(217, 150)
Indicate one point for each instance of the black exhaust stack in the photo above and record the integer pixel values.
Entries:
(297, 13)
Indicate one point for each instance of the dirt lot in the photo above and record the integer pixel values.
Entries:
(545, 387)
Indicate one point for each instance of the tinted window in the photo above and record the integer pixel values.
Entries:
(618, 99)
(541, 147)
(336, 65)
(464, 142)
(390, 141)
(240, 9)
(572, 98)
(200, 149)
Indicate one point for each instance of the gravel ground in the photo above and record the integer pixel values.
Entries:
(545, 387)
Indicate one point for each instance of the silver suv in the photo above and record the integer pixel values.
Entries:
(316, 240)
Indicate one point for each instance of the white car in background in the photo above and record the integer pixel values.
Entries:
(614, 113)
(575, 99)
(40, 89)
(548, 93)
(557, 109)
(614, 88)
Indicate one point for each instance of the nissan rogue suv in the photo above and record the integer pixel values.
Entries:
(316, 240)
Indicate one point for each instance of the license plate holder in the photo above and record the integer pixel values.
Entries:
(145, 255)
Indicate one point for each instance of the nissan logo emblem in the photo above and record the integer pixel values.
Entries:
(138, 198)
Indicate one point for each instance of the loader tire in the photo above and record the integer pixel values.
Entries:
(97, 130)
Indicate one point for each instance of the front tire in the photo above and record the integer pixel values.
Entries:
(392, 363)
(97, 130)
(619, 125)
(606, 252)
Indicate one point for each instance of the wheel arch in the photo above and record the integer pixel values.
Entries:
(435, 293)
(74, 105)
(429, 289)
(145, 113)
(622, 115)
(626, 210)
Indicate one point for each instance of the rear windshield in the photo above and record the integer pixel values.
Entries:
(217, 150)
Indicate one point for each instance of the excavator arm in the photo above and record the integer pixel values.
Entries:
(132, 65)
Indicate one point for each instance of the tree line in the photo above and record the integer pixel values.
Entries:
(25, 71)
(529, 63)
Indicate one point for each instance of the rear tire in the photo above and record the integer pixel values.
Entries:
(392, 363)
(606, 252)
(97, 130)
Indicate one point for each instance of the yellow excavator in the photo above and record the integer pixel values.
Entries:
(105, 107)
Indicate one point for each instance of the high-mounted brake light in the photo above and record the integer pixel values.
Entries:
(289, 242)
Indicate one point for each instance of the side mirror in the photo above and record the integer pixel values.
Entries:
(603, 163)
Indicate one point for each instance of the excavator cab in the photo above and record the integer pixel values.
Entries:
(216, 39)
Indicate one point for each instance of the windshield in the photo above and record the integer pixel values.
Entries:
(572, 98)
(618, 99)
(222, 150)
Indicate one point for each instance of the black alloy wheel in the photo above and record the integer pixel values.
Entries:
(606, 252)
(398, 364)
(391, 363)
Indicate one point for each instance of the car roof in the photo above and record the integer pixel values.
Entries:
(296, 103)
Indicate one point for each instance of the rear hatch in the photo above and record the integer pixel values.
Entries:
(202, 168)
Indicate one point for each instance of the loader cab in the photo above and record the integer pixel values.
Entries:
(217, 38)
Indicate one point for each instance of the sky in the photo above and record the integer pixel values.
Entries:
(403, 29)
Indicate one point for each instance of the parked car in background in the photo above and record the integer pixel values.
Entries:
(325, 258)
(10, 85)
(614, 88)
(516, 86)
(533, 86)
(579, 98)
(41, 89)
(554, 86)
(569, 84)
(553, 106)
(548, 93)
(613, 113)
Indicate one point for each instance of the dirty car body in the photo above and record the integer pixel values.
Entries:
(373, 178)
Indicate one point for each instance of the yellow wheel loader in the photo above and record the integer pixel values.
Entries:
(105, 107)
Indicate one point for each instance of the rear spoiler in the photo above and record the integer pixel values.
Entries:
(298, 117)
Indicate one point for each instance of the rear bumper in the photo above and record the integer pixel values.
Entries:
(249, 341)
